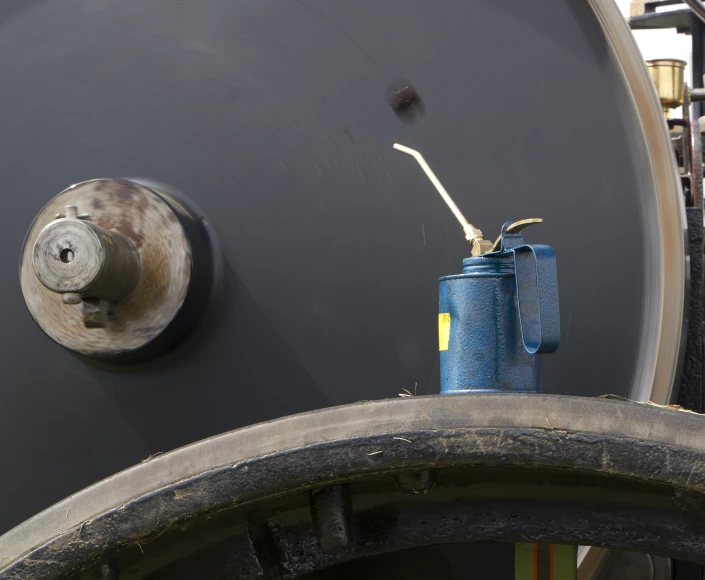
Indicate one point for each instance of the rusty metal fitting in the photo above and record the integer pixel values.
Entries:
(74, 256)
(109, 282)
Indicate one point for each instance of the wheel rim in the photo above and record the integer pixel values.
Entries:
(640, 465)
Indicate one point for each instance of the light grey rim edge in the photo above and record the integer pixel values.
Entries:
(664, 323)
(660, 354)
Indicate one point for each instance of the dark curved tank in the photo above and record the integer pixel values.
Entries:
(277, 118)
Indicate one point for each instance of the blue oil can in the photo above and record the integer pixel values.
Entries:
(497, 316)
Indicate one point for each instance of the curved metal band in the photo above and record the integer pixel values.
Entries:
(568, 436)
(663, 215)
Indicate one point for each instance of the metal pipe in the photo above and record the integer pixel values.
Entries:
(697, 95)
(471, 232)
(698, 7)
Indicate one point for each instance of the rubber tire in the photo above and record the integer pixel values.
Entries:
(658, 451)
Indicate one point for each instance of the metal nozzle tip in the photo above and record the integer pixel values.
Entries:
(404, 149)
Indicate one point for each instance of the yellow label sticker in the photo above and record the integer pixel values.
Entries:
(443, 330)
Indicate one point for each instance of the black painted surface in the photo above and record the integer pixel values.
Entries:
(687, 571)
(273, 116)
(450, 562)
(690, 394)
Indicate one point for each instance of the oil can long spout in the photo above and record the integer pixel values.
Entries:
(472, 234)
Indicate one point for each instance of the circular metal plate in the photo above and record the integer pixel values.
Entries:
(148, 221)
(274, 117)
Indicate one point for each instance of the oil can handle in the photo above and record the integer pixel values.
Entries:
(537, 297)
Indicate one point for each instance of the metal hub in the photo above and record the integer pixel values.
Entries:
(127, 264)
(78, 258)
